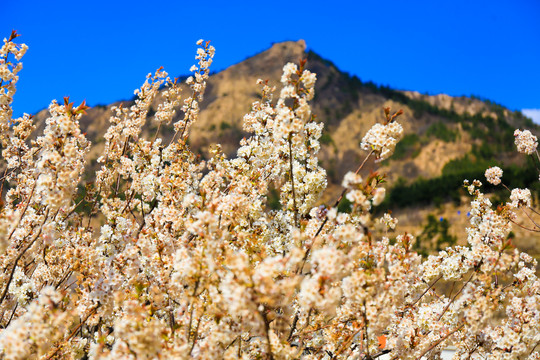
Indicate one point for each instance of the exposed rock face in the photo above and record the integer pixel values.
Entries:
(461, 105)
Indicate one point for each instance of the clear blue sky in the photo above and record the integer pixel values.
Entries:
(101, 50)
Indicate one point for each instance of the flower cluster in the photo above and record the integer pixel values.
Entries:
(166, 256)
(525, 141)
(383, 138)
(8, 79)
(520, 197)
(493, 175)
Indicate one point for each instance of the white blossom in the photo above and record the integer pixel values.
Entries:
(493, 175)
(525, 141)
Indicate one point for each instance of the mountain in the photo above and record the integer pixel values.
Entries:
(447, 139)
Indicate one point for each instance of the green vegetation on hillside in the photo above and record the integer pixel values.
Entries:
(449, 185)
(437, 231)
(442, 132)
(408, 146)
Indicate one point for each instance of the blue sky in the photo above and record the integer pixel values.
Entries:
(101, 50)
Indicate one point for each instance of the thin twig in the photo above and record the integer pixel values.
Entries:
(194, 94)
(267, 333)
(5, 176)
(366, 323)
(424, 293)
(65, 277)
(23, 251)
(440, 341)
(530, 218)
(156, 134)
(195, 335)
(124, 150)
(191, 311)
(293, 327)
(12, 314)
(299, 271)
(144, 219)
(72, 210)
(93, 206)
(455, 296)
(523, 227)
(344, 344)
(3, 182)
(292, 182)
(533, 210)
(538, 343)
(90, 313)
(23, 212)
(379, 354)
(232, 343)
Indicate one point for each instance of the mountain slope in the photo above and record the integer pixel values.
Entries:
(446, 139)
(348, 108)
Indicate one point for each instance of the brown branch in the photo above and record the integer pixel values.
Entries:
(424, 293)
(344, 344)
(524, 227)
(530, 218)
(93, 206)
(538, 343)
(156, 134)
(67, 274)
(195, 335)
(90, 313)
(440, 341)
(377, 355)
(6, 175)
(292, 182)
(12, 314)
(194, 95)
(124, 150)
(23, 251)
(141, 226)
(191, 311)
(533, 210)
(3, 181)
(267, 334)
(304, 259)
(327, 326)
(293, 327)
(73, 210)
(23, 212)
(366, 323)
(456, 295)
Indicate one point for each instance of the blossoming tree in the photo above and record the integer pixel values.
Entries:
(189, 262)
